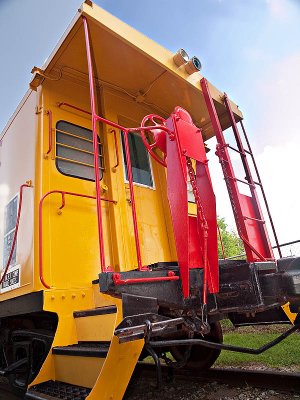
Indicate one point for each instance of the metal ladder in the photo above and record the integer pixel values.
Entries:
(250, 222)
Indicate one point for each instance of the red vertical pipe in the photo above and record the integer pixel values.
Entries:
(130, 180)
(95, 144)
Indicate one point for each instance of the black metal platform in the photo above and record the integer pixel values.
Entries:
(55, 390)
(84, 349)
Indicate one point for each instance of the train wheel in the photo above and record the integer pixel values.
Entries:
(201, 358)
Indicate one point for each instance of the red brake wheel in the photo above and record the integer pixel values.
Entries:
(157, 136)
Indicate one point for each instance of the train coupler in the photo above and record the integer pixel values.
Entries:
(146, 326)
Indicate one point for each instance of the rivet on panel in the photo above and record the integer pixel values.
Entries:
(52, 297)
(63, 296)
(83, 294)
(73, 295)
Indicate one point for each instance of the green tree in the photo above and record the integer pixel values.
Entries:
(233, 245)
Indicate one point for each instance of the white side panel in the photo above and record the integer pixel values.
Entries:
(17, 165)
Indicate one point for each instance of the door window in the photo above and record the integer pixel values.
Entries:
(141, 167)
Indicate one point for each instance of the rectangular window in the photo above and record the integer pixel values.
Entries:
(141, 169)
(74, 151)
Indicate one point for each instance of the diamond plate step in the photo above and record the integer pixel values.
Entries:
(84, 349)
(55, 390)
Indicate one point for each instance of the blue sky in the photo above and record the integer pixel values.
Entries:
(250, 49)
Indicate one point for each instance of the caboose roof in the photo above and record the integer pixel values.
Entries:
(126, 60)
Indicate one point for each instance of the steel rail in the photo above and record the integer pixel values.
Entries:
(267, 379)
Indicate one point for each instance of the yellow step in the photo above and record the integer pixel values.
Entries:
(79, 364)
(96, 325)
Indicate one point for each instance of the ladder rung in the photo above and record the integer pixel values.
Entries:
(240, 180)
(238, 151)
(254, 219)
(257, 183)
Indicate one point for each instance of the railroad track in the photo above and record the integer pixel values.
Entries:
(279, 381)
(275, 380)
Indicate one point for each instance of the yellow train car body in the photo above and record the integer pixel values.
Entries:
(57, 252)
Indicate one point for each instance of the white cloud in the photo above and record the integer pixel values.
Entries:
(279, 166)
(279, 9)
(278, 96)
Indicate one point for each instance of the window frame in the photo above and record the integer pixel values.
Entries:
(57, 159)
(153, 187)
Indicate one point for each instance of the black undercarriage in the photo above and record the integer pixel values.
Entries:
(25, 341)
(250, 293)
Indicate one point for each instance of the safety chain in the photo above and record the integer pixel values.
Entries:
(192, 176)
(204, 226)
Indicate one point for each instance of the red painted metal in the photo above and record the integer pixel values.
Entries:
(249, 151)
(118, 281)
(132, 199)
(50, 145)
(250, 231)
(95, 144)
(25, 185)
(126, 131)
(116, 148)
(254, 227)
(63, 203)
(159, 137)
(178, 202)
(74, 107)
(185, 142)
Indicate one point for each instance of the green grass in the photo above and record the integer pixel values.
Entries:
(285, 354)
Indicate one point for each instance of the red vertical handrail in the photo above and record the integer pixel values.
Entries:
(96, 118)
(16, 231)
(95, 145)
(132, 199)
(113, 131)
(50, 144)
(228, 172)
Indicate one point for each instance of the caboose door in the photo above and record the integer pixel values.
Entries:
(154, 224)
(152, 210)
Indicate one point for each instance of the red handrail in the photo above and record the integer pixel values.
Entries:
(95, 144)
(126, 131)
(116, 149)
(117, 279)
(16, 230)
(63, 193)
(63, 103)
(50, 145)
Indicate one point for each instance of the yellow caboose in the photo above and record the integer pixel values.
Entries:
(109, 233)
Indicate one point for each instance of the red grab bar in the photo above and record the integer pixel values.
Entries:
(119, 281)
(116, 149)
(50, 145)
(16, 230)
(59, 105)
(63, 194)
